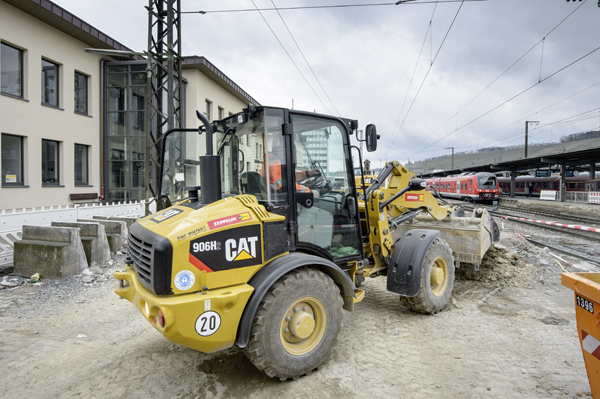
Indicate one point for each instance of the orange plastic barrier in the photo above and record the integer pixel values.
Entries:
(587, 311)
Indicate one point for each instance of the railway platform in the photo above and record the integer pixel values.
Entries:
(581, 209)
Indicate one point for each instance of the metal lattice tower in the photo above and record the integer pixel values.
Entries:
(163, 110)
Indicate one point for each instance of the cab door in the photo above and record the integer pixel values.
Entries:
(322, 171)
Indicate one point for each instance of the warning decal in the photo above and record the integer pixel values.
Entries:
(229, 220)
(414, 197)
(224, 250)
(590, 344)
(166, 215)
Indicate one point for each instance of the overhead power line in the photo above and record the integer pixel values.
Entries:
(512, 98)
(424, 79)
(499, 76)
(290, 57)
(396, 3)
(305, 60)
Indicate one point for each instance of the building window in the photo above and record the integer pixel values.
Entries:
(11, 70)
(221, 113)
(49, 83)
(50, 162)
(208, 109)
(81, 165)
(12, 160)
(81, 93)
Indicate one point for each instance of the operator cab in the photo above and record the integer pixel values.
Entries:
(295, 164)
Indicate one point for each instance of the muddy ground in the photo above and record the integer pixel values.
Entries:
(510, 333)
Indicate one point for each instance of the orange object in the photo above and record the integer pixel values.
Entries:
(587, 310)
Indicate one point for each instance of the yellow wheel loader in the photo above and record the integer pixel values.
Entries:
(262, 240)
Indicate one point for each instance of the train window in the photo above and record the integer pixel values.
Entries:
(538, 185)
(580, 186)
(545, 184)
(571, 186)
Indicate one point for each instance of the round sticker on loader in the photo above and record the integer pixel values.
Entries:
(208, 323)
(184, 280)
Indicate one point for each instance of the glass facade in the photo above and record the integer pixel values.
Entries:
(125, 131)
(11, 70)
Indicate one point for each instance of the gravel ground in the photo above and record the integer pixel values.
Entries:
(509, 332)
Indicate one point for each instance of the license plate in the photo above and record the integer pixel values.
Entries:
(585, 304)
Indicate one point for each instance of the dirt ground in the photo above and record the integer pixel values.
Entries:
(509, 334)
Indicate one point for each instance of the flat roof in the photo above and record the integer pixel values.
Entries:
(61, 19)
(209, 69)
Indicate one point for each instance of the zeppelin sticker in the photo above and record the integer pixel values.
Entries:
(414, 197)
(229, 220)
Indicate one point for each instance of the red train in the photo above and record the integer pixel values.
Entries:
(470, 186)
(574, 184)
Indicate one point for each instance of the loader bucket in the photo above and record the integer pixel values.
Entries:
(469, 236)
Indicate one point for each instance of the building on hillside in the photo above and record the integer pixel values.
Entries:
(72, 124)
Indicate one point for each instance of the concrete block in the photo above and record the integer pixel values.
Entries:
(129, 220)
(116, 232)
(93, 238)
(53, 252)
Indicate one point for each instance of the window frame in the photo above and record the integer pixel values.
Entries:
(57, 84)
(56, 162)
(21, 166)
(85, 162)
(21, 72)
(85, 94)
(208, 111)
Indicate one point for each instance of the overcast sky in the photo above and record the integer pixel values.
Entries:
(364, 58)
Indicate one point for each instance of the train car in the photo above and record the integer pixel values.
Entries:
(476, 187)
(574, 184)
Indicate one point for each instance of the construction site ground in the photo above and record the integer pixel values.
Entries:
(509, 332)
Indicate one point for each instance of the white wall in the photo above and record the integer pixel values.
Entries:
(30, 119)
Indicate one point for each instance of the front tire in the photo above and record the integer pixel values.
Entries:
(437, 280)
(296, 325)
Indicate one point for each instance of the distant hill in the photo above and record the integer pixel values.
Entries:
(490, 155)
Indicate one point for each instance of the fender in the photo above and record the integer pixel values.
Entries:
(404, 274)
(271, 272)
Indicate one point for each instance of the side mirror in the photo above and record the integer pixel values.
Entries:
(371, 137)
(417, 184)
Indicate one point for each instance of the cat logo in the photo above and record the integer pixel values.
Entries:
(244, 248)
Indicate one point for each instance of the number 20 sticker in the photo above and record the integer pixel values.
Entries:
(208, 323)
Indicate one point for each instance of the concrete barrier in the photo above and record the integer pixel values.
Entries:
(53, 252)
(93, 238)
(129, 220)
(116, 232)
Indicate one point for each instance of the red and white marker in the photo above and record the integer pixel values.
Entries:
(590, 344)
(570, 226)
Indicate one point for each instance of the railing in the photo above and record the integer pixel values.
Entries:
(12, 221)
(571, 196)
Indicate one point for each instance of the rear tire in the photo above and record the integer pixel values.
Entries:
(296, 325)
(437, 280)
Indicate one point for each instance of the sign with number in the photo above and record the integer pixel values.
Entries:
(585, 304)
(208, 323)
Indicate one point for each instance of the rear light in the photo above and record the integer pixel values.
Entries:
(160, 319)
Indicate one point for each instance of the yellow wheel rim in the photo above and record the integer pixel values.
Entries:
(303, 326)
(438, 277)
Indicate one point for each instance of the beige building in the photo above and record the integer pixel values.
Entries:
(72, 124)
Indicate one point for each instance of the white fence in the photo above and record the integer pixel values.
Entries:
(576, 196)
(12, 221)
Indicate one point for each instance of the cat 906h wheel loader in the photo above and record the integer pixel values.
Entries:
(262, 250)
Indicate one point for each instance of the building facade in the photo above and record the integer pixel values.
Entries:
(72, 124)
